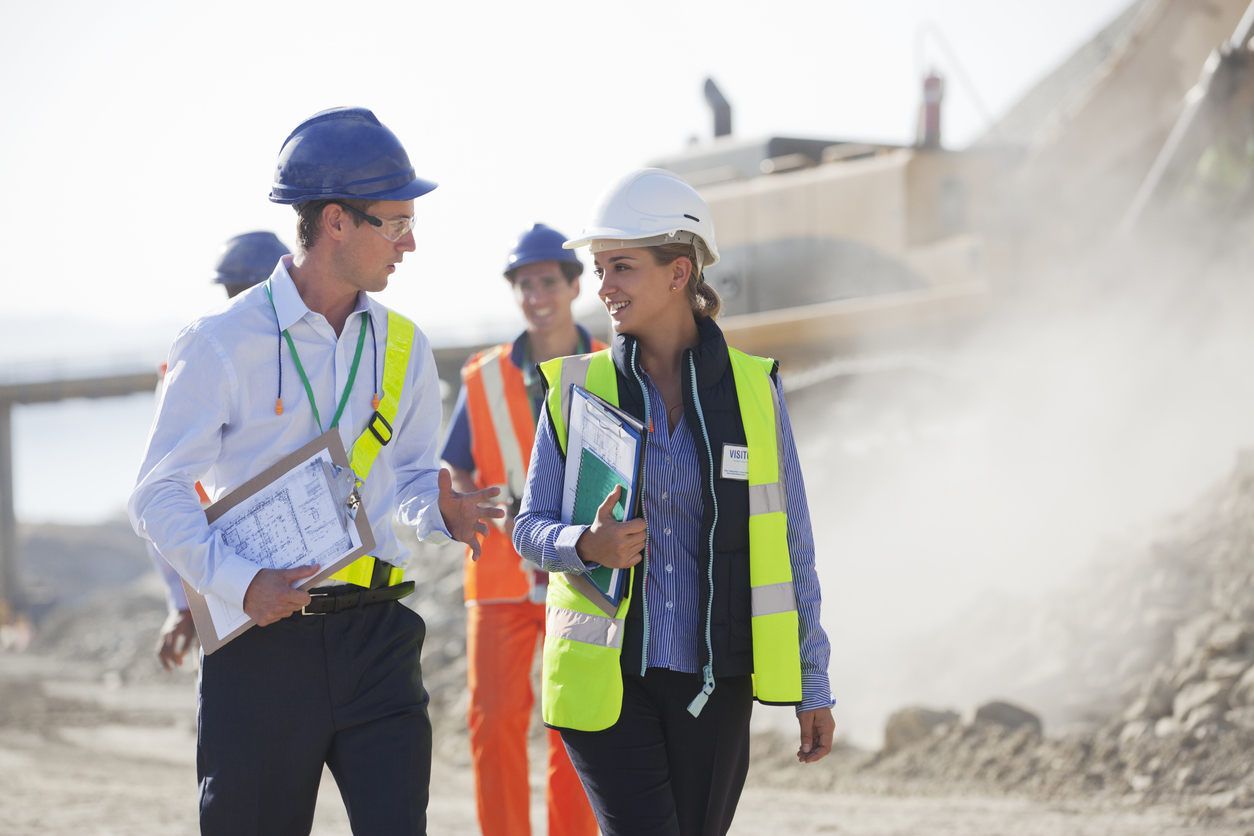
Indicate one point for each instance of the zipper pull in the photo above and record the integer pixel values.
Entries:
(694, 707)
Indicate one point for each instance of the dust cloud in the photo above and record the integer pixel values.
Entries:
(958, 495)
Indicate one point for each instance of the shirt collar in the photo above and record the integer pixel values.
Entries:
(288, 306)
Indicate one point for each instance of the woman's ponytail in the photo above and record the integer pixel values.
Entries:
(703, 299)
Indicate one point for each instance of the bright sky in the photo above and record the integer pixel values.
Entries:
(141, 135)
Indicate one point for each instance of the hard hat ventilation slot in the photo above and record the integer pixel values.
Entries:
(693, 218)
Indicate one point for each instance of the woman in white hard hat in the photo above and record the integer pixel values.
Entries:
(653, 695)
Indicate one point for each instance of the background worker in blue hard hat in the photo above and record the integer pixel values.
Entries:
(245, 260)
(330, 676)
(489, 444)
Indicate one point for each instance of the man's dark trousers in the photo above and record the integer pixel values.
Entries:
(278, 702)
(659, 771)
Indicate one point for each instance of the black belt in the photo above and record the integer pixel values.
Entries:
(333, 599)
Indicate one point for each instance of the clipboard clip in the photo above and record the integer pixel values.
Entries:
(343, 484)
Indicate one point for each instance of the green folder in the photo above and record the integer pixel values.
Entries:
(589, 478)
(596, 480)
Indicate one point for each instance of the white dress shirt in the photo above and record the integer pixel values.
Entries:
(216, 422)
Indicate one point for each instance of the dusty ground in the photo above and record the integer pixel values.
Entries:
(83, 752)
(96, 739)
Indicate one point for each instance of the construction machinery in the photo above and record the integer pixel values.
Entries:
(824, 241)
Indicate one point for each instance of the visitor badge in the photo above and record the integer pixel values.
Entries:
(736, 462)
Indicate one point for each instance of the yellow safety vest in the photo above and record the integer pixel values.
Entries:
(378, 433)
(582, 678)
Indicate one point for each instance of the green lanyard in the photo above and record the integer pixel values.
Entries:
(352, 373)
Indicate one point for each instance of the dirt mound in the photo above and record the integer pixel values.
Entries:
(1153, 647)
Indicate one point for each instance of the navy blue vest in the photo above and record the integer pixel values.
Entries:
(728, 600)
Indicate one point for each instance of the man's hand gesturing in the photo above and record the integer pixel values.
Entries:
(610, 542)
(464, 514)
(271, 597)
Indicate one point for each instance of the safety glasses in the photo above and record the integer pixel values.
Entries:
(393, 230)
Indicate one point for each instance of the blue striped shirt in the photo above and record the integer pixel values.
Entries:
(673, 510)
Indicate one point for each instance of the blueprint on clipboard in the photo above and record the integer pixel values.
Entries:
(611, 435)
(604, 448)
(304, 509)
(291, 522)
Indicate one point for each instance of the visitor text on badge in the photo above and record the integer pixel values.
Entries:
(736, 462)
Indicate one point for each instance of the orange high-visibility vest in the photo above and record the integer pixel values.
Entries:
(502, 432)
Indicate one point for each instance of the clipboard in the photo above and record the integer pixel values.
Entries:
(261, 489)
(605, 447)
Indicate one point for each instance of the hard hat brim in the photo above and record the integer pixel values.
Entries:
(627, 237)
(413, 189)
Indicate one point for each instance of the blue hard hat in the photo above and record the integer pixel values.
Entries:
(249, 258)
(541, 243)
(344, 153)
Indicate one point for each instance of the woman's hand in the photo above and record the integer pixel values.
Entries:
(817, 727)
(610, 542)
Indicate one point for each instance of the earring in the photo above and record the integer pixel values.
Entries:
(674, 288)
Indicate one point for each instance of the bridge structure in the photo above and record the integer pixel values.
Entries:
(50, 384)
(47, 388)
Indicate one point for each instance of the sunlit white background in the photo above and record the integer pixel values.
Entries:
(141, 135)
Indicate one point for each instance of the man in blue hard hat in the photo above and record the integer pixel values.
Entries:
(245, 260)
(330, 675)
(489, 444)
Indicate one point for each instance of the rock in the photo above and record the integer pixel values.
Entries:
(1133, 731)
(1198, 694)
(1227, 667)
(1192, 636)
(1194, 671)
(914, 723)
(1154, 701)
(1007, 715)
(1243, 692)
(1166, 727)
(1227, 638)
(1209, 713)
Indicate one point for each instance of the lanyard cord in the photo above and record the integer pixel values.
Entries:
(352, 373)
(374, 367)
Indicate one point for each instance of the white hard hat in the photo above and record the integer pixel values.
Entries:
(648, 208)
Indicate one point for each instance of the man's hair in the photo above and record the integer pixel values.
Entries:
(570, 270)
(309, 219)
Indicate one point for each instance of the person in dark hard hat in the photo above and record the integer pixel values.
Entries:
(489, 444)
(245, 260)
(330, 676)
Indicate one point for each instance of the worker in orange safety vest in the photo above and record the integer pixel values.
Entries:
(488, 443)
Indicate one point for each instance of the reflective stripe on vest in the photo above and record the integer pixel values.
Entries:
(581, 688)
(581, 627)
(776, 634)
(502, 431)
(582, 681)
(400, 342)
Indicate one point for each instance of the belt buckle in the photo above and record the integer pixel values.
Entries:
(312, 596)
